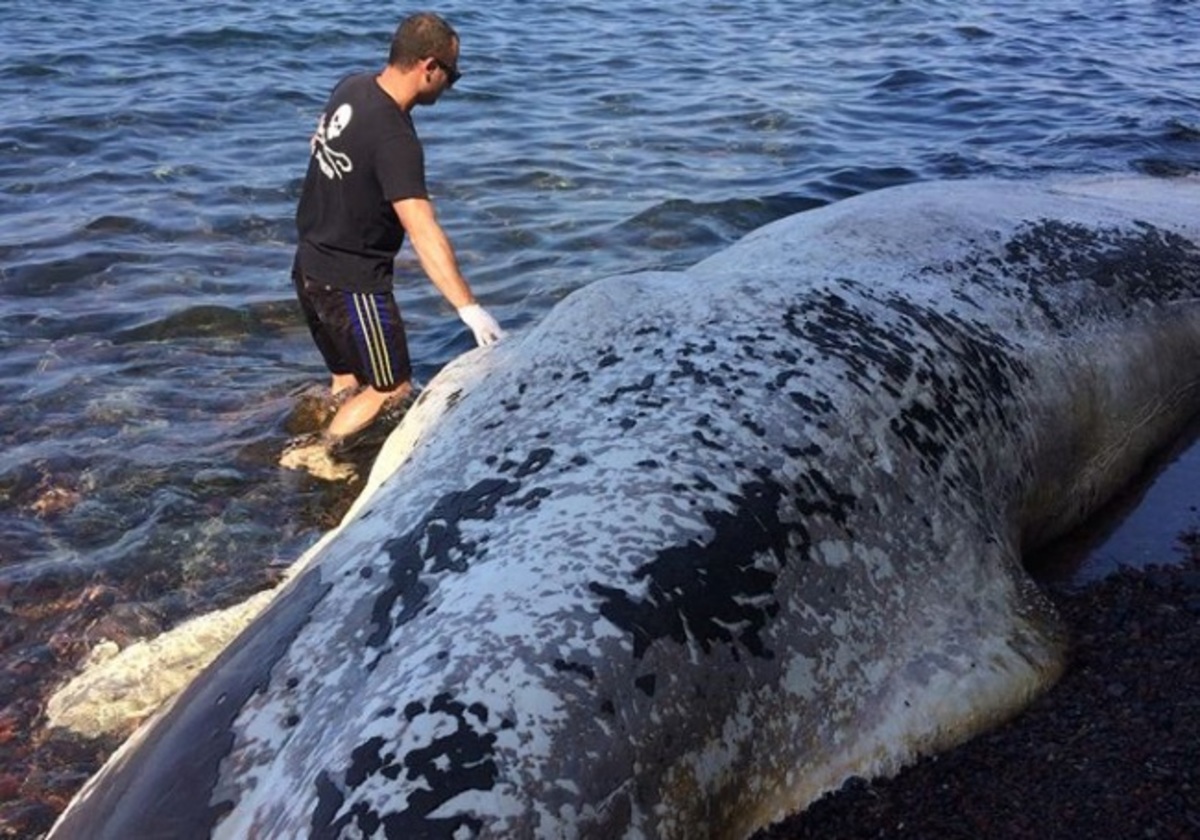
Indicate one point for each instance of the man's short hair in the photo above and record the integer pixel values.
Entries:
(422, 35)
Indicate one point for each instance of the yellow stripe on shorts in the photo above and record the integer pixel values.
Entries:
(372, 326)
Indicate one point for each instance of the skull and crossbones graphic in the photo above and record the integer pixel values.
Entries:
(333, 163)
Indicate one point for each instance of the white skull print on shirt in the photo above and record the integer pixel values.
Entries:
(333, 163)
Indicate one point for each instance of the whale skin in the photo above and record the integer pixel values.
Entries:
(702, 545)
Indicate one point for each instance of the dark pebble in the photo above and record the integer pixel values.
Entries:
(32, 818)
(127, 623)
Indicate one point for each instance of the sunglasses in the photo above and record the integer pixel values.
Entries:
(452, 74)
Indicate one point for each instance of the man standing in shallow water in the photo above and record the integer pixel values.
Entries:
(364, 189)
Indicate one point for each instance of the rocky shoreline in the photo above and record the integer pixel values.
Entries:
(1112, 751)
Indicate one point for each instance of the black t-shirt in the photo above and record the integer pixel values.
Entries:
(366, 154)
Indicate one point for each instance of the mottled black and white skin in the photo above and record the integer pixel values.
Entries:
(702, 545)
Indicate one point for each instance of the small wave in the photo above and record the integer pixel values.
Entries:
(1166, 168)
(50, 278)
(206, 40)
(215, 321)
(206, 321)
(27, 70)
(252, 229)
(117, 224)
(1175, 150)
(693, 229)
(40, 326)
(851, 181)
(908, 78)
(970, 32)
(1180, 131)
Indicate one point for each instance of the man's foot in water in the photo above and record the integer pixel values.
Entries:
(314, 406)
(366, 442)
(316, 454)
(333, 458)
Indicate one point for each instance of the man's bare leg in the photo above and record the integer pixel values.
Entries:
(341, 383)
(357, 412)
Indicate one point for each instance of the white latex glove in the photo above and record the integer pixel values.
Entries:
(486, 330)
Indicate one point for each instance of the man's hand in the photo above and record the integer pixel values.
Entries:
(486, 330)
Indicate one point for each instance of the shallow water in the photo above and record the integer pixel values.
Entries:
(1154, 521)
(151, 357)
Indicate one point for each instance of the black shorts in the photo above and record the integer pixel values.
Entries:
(357, 332)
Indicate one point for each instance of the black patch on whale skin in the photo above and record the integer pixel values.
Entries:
(1124, 266)
(688, 369)
(452, 399)
(645, 386)
(871, 350)
(747, 422)
(531, 500)
(581, 668)
(450, 765)
(534, 463)
(968, 389)
(717, 593)
(813, 405)
(966, 373)
(436, 544)
(438, 538)
(1144, 262)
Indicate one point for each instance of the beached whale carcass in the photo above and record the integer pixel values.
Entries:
(701, 545)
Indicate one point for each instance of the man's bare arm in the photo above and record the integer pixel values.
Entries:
(434, 250)
(437, 258)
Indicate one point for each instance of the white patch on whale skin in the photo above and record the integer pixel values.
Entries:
(810, 464)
